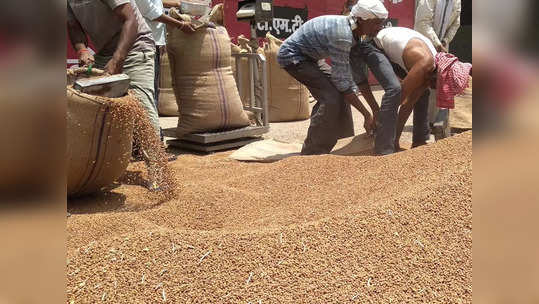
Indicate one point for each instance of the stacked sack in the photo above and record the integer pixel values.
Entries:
(99, 137)
(167, 100)
(288, 98)
(204, 86)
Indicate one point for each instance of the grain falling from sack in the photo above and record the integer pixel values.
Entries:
(156, 158)
(392, 229)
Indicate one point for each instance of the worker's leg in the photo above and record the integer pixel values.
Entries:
(344, 126)
(322, 134)
(139, 66)
(386, 122)
(440, 127)
(421, 130)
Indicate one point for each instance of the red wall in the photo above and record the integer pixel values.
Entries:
(403, 11)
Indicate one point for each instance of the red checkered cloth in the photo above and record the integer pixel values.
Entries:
(452, 79)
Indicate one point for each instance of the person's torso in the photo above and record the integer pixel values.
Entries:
(393, 41)
(314, 39)
(103, 26)
(158, 28)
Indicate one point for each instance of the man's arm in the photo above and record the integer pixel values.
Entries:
(186, 27)
(424, 20)
(454, 27)
(155, 13)
(342, 78)
(78, 38)
(365, 90)
(413, 85)
(406, 109)
(128, 36)
(171, 3)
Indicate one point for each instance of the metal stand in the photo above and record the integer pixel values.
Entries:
(215, 141)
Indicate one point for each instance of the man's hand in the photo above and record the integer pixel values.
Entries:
(114, 67)
(369, 124)
(85, 57)
(187, 28)
(397, 145)
(444, 47)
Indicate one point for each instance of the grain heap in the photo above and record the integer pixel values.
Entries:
(317, 229)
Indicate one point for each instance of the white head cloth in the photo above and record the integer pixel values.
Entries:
(369, 9)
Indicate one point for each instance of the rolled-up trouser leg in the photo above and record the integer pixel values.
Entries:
(386, 122)
(139, 66)
(331, 119)
(421, 130)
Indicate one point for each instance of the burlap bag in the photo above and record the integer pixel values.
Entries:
(167, 101)
(99, 139)
(288, 99)
(205, 89)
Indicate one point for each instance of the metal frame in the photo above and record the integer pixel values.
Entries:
(257, 106)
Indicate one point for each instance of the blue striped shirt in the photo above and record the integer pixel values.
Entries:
(320, 38)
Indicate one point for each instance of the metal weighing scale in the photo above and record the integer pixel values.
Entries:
(252, 11)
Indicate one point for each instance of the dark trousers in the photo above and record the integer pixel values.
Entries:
(331, 117)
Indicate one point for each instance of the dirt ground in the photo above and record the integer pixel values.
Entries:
(318, 229)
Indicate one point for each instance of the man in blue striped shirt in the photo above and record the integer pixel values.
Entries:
(302, 55)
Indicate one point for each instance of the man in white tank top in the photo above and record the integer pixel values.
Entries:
(416, 62)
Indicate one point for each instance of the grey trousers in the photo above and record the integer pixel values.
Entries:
(331, 117)
(139, 66)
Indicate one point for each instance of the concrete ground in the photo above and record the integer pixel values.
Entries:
(297, 130)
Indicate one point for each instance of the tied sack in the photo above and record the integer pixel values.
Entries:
(288, 99)
(167, 100)
(205, 89)
(99, 138)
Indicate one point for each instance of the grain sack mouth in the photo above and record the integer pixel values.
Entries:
(99, 136)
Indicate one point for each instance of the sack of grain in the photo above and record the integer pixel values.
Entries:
(167, 100)
(205, 89)
(288, 99)
(99, 138)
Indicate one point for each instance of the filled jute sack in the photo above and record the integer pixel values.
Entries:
(99, 138)
(167, 100)
(288, 99)
(205, 89)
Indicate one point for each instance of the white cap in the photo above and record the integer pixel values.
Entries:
(369, 9)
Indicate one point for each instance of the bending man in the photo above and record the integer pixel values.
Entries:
(302, 55)
(417, 62)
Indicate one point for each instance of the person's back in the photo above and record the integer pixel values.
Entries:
(316, 40)
(393, 40)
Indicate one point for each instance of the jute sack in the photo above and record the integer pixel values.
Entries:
(99, 139)
(288, 99)
(167, 100)
(205, 89)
